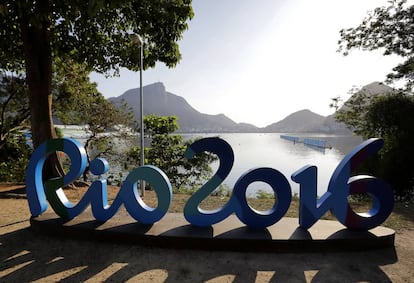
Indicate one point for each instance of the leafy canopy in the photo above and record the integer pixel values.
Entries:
(390, 29)
(14, 108)
(76, 100)
(33, 34)
(166, 151)
(14, 114)
(97, 32)
(388, 115)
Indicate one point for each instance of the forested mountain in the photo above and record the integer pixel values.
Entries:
(161, 102)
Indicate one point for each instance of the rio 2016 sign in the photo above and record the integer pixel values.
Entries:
(311, 208)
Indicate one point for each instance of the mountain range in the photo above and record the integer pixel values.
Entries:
(161, 102)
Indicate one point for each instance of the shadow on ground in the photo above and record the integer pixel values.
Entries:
(27, 256)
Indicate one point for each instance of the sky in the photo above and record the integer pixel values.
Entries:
(259, 61)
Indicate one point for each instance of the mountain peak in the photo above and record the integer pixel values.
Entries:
(158, 101)
(304, 112)
(157, 87)
(154, 88)
(365, 95)
(300, 121)
(376, 88)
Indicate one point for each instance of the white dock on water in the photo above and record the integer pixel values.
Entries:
(307, 141)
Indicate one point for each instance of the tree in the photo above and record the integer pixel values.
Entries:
(77, 101)
(390, 29)
(353, 111)
(32, 33)
(14, 148)
(389, 115)
(14, 157)
(104, 124)
(166, 151)
(14, 106)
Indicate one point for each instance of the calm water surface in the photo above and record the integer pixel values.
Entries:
(269, 150)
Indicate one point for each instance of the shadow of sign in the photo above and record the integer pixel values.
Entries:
(231, 234)
(40, 257)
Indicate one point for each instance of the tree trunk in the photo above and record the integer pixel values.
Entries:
(38, 60)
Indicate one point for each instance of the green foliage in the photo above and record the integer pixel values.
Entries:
(186, 191)
(358, 198)
(167, 153)
(73, 92)
(390, 118)
(14, 106)
(59, 132)
(155, 125)
(335, 102)
(95, 32)
(33, 34)
(100, 117)
(261, 194)
(77, 101)
(222, 191)
(353, 112)
(389, 29)
(14, 150)
(115, 179)
(14, 157)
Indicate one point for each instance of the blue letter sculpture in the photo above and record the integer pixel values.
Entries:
(341, 185)
(38, 191)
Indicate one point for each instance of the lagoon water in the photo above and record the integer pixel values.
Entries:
(253, 150)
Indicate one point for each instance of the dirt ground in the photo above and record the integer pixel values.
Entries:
(26, 256)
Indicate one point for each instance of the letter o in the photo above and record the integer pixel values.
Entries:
(281, 187)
